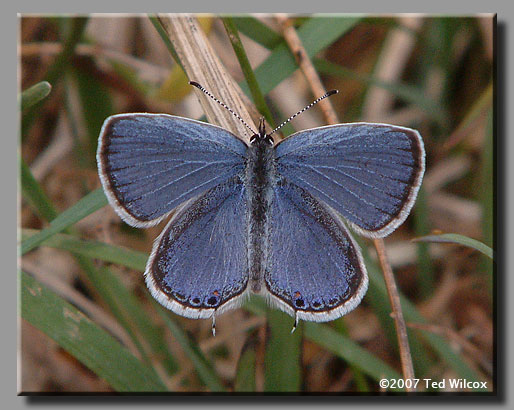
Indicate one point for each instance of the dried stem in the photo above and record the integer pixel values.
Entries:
(317, 88)
(397, 314)
(305, 64)
(202, 65)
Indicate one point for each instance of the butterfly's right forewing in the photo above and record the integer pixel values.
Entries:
(369, 173)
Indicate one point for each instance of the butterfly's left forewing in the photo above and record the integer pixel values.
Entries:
(198, 265)
(150, 163)
(316, 271)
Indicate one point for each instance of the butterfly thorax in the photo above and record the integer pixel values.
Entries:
(259, 182)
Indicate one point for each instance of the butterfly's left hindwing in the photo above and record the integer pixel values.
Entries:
(198, 264)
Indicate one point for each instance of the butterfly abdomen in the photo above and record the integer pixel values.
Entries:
(259, 182)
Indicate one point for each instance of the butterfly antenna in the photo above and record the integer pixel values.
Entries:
(195, 84)
(328, 94)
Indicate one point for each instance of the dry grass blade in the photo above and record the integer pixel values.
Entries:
(304, 62)
(397, 314)
(202, 65)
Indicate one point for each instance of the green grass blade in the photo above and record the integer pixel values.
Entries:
(59, 66)
(96, 106)
(86, 206)
(425, 267)
(204, 368)
(333, 341)
(34, 194)
(124, 305)
(246, 366)
(359, 378)
(282, 362)
(131, 314)
(35, 94)
(319, 32)
(257, 31)
(93, 249)
(459, 240)
(316, 34)
(31, 189)
(251, 80)
(116, 296)
(91, 345)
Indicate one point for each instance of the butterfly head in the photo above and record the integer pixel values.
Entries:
(261, 137)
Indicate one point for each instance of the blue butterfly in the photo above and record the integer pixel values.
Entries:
(258, 217)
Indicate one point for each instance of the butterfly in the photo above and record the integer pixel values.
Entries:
(261, 217)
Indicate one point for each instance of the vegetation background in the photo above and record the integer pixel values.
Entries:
(89, 324)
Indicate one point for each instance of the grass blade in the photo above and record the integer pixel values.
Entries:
(257, 31)
(282, 362)
(96, 106)
(459, 240)
(93, 249)
(91, 345)
(31, 189)
(129, 312)
(251, 80)
(344, 347)
(425, 266)
(327, 338)
(35, 94)
(246, 366)
(34, 194)
(359, 378)
(202, 365)
(316, 34)
(86, 206)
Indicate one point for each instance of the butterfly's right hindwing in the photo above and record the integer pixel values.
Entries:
(316, 270)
